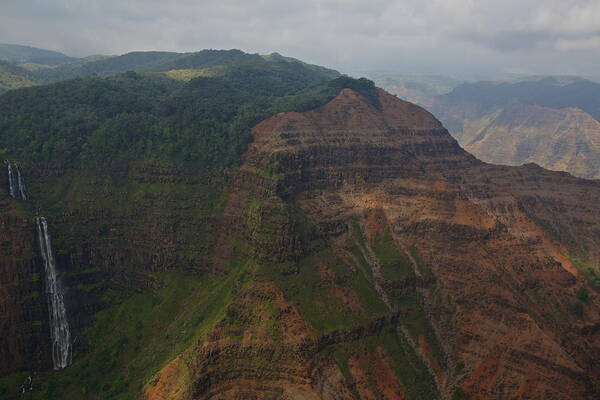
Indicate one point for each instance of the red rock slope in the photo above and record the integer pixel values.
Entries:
(498, 256)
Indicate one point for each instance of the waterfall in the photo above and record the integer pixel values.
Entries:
(59, 326)
(21, 184)
(16, 183)
(11, 180)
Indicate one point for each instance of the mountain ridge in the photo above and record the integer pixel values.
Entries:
(531, 121)
(18, 54)
(409, 182)
(348, 248)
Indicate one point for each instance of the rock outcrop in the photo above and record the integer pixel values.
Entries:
(503, 246)
(372, 258)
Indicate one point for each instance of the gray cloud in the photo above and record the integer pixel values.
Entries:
(438, 36)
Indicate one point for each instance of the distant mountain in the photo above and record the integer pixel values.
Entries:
(220, 108)
(46, 66)
(14, 77)
(419, 89)
(17, 54)
(553, 92)
(552, 121)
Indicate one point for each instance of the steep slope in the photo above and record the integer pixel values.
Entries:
(563, 140)
(551, 122)
(354, 251)
(23, 316)
(477, 284)
(132, 231)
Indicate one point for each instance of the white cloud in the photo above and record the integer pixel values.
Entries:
(592, 43)
(459, 35)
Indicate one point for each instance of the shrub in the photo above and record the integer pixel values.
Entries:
(583, 294)
(577, 308)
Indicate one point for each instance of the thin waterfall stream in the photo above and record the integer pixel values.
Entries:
(59, 326)
(16, 183)
(21, 184)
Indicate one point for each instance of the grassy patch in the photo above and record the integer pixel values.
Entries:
(315, 299)
(394, 265)
(405, 363)
(592, 276)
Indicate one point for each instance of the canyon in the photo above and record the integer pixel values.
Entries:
(474, 253)
(357, 251)
(551, 121)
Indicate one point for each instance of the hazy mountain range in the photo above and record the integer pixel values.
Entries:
(38, 66)
(550, 121)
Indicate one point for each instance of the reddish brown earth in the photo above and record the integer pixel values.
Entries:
(497, 254)
(373, 376)
(565, 139)
(262, 349)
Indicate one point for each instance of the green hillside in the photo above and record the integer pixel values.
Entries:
(142, 116)
(155, 61)
(14, 77)
(17, 54)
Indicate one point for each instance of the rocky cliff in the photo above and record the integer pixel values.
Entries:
(547, 121)
(368, 209)
(24, 313)
(357, 252)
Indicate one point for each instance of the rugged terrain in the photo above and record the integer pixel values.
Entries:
(355, 251)
(473, 288)
(552, 122)
(419, 89)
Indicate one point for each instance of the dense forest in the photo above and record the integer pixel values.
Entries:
(149, 116)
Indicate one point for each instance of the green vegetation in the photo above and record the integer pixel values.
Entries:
(14, 77)
(136, 336)
(583, 294)
(142, 160)
(590, 273)
(397, 269)
(394, 265)
(413, 374)
(315, 297)
(189, 74)
(16, 54)
(460, 394)
(162, 61)
(577, 308)
(107, 122)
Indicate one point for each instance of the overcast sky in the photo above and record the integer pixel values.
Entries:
(453, 37)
